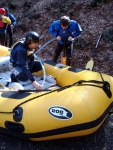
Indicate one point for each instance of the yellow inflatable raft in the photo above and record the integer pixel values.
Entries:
(74, 102)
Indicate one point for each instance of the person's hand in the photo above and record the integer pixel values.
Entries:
(70, 38)
(37, 85)
(58, 38)
(11, 25)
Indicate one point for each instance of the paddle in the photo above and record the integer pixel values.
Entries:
(90, 64)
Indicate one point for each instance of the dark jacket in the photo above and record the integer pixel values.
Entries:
(11, 17)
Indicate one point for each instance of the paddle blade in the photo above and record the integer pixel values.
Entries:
(90, 64)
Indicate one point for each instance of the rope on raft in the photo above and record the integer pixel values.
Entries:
(105, 85)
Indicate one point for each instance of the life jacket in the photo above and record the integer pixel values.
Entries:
(1, 24)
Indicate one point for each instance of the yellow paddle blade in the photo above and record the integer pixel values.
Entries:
(90, 64)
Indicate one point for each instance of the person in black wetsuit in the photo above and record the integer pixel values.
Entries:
(22, 60)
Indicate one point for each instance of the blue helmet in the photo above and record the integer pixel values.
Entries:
(32, 37)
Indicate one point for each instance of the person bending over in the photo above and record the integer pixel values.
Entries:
(22, 60)
(64, 30)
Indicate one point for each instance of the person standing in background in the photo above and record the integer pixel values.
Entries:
(4, 21)
(10, 28)
(64, 30)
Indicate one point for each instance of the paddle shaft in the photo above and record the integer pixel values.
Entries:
(90, 63)
(96, 46)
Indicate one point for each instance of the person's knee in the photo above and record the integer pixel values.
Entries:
(36, 66)
(22, 76)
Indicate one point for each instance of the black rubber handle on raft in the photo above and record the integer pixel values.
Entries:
(106, 88)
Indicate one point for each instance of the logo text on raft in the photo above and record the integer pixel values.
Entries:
(60, 112)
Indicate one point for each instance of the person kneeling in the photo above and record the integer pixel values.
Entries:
(22, 59)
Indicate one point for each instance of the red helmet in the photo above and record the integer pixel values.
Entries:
(2, 11)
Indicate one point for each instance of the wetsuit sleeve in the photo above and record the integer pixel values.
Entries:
(77, 29)
(13, 19)
(52, 29)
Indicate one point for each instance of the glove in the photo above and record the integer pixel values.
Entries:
(11, 26)
(70, 38)
(6, 20)
(58, 38)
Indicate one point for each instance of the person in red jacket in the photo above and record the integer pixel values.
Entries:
(10, 28)
(4, 21)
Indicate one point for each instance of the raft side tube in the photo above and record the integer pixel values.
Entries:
(4, 51)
